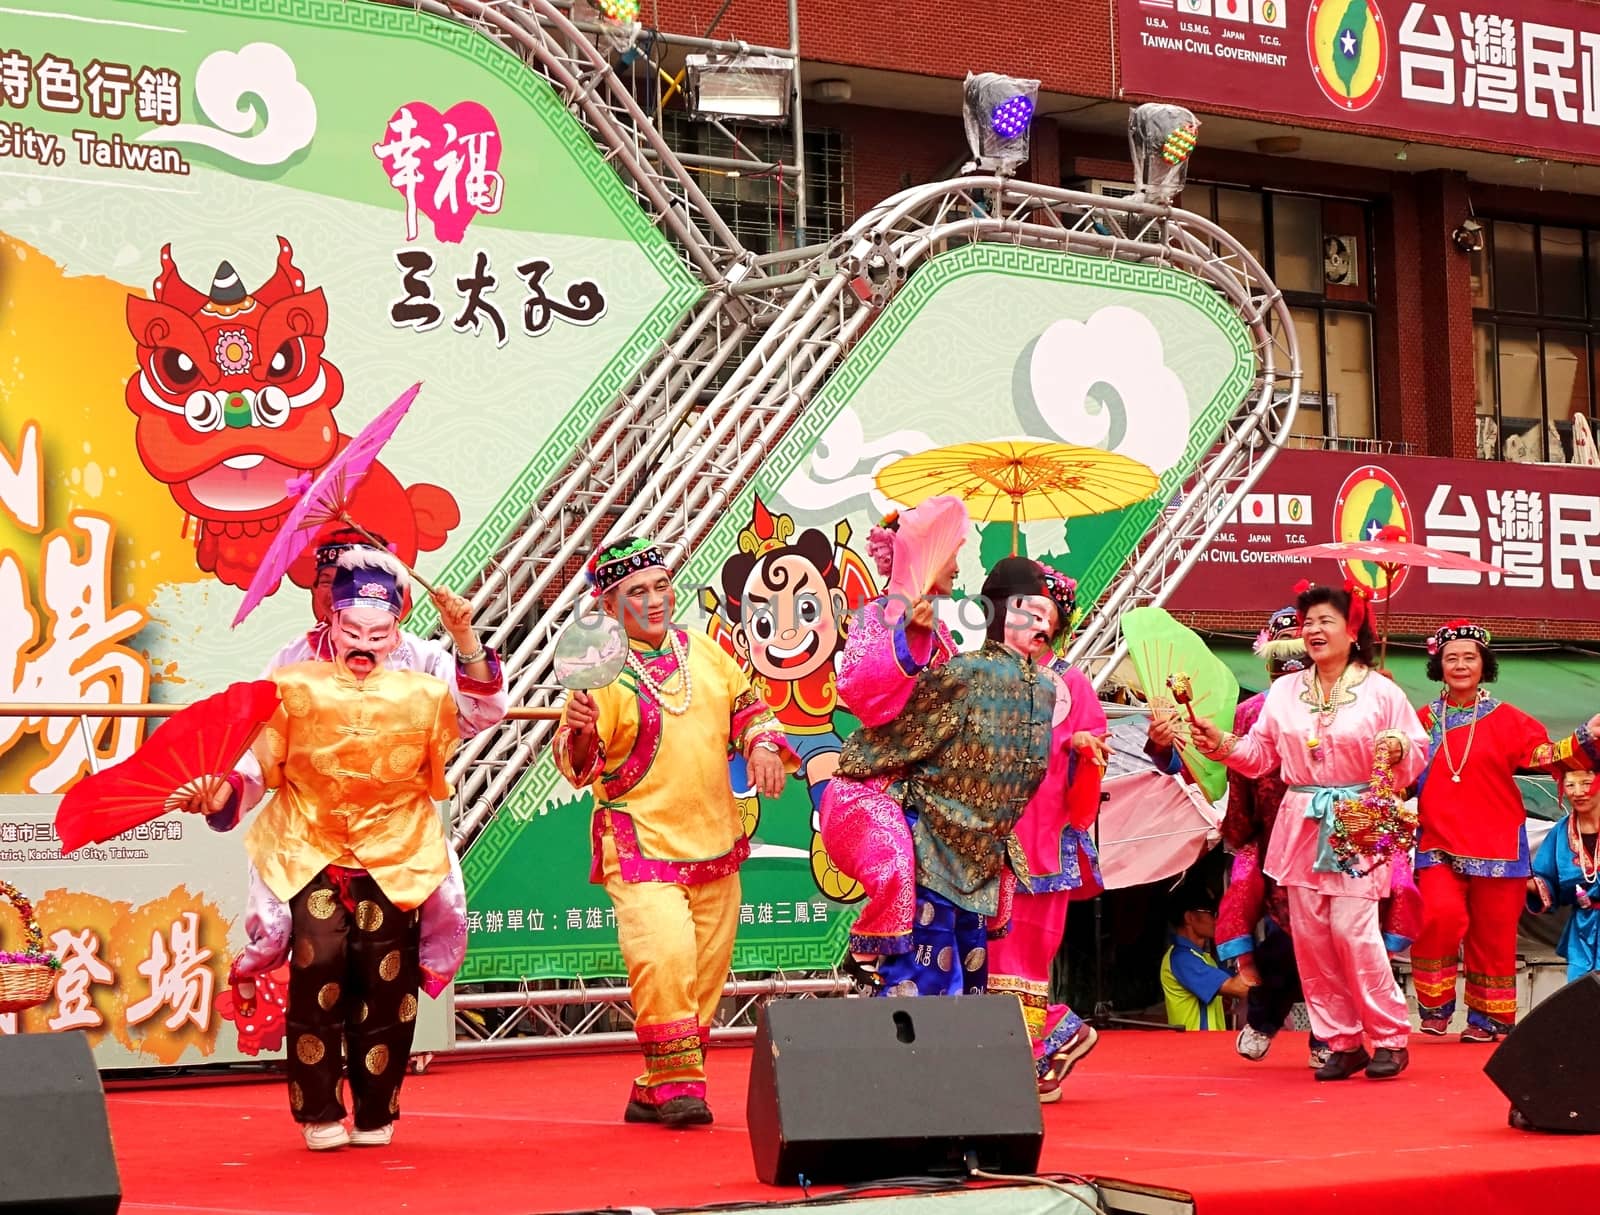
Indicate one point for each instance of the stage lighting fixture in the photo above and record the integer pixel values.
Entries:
(753, 88)
(624, 12)
(997, 112)
(1161, 139)
(1010, 118)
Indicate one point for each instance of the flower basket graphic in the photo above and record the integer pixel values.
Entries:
(26, 976)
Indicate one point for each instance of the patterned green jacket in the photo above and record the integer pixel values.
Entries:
(970, 748)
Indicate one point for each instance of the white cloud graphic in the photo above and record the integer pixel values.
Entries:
(234, 90)
(841, 466)
(1105, 383)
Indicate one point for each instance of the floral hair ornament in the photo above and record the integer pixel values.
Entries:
(1359, 595)
(1063, 592)
(612, 563)
(1279, 643)
(1458, 630)
(1284, 620)
(1300, 588)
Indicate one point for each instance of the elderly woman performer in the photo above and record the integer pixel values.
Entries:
(1472, 858)
(1324, 730)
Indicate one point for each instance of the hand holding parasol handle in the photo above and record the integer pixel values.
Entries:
(344, 517)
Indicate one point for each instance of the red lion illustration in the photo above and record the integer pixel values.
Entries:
(234, 398)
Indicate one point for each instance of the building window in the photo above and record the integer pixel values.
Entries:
(1536, 338)
(759, 207)
(1316, 250)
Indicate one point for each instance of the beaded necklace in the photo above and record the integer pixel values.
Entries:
(1323, 708)
(657, 688)
(1472, 731)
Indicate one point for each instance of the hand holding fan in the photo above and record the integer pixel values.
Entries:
(929, 535)
(189, 751)
(1170, 658)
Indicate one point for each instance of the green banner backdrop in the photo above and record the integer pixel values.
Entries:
(231, 231)
(984, 342)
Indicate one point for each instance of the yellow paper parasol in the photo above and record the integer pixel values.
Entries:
(1020, 479)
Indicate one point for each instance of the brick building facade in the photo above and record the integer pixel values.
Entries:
(1420, 347)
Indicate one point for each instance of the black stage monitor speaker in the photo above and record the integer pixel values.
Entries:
(1544, 1066)
(851, 1090)
(56, 1155)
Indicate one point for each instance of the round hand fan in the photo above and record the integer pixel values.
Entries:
(1163, 650)
(205, 739)
(590, 653)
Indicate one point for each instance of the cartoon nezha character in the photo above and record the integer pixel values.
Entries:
(234, 398)
(783, 611)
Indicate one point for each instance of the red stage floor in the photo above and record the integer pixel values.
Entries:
(1177, 1110)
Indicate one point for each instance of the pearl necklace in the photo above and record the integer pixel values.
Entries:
(1324, 708)
(656, 687)
(1444, 734)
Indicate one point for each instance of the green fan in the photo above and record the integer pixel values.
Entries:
(1163, 650)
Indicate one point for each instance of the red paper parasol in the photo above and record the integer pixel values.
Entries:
(1390, 551)
(205, 739)
(324, 500)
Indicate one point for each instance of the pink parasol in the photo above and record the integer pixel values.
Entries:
(1390, 551)
(324, 500)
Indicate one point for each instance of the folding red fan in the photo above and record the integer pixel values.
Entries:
(205, 739)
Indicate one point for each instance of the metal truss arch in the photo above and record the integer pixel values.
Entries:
(834, 292)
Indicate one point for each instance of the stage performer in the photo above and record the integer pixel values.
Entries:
(478, 690)
(667, 837)
(1325, 730)
(1062, 865)
(1472, 855)
(1566, 873)
(353, 843)
(1251, 896)
(474, 674)
(864, 828)
(970, 748)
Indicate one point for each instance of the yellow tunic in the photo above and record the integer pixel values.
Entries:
(663, 778)
(357, 765)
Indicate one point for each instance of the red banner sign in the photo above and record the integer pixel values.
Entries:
(1539, 522)
(1508, 71)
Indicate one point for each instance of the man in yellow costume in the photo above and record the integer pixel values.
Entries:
(666, 833)
(352, 842)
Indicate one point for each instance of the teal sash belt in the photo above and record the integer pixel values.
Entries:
(1323, 799)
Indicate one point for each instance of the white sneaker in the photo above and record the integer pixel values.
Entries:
(1252, 1043)
(1318, 1057)
(377, 1137)
(324, 1136)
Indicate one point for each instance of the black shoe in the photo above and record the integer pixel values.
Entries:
(864, 977)
(1517, 1120)
(1387, 1064)
(1343, 1064)
(639, 1111)
(685, 1111)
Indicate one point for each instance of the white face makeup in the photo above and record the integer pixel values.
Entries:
(1030, 620)
(363, 637)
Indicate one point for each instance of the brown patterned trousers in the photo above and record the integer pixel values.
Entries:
(353, 980)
